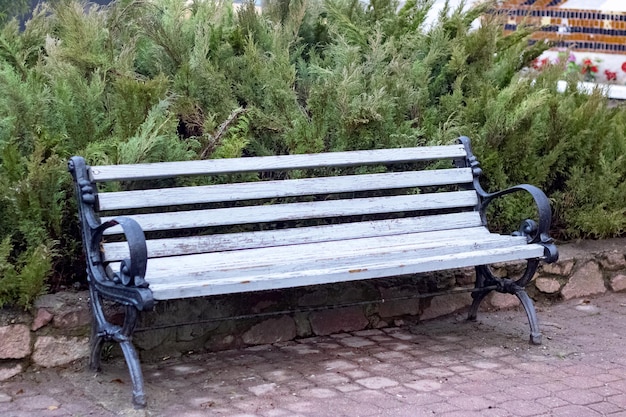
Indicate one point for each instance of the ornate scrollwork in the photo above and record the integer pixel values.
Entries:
(535, 231)
(132, 270)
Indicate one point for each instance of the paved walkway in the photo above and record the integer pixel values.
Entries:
(445, 367)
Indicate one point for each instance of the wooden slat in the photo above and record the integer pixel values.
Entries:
(271, 260)
(278, 189)
(267, 238)
(342, 272)
(211, 266)
(299, 211)
(235, 165)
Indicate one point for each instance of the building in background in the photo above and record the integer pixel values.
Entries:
(591, 34)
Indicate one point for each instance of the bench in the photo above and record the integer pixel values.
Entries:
(209, 227)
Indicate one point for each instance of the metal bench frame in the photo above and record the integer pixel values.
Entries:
(130, 285)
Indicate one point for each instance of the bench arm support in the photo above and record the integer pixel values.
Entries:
(129, 285)
(534, 232)
(132, 270)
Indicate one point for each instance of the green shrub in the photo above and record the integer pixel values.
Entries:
(167, 80)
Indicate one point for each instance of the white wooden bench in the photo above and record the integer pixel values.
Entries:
(266, 223)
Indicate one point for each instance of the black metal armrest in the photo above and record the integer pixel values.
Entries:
(534, 232)
(133, 269)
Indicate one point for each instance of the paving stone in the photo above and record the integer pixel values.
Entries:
(450, 371)
(470, 402)
(605, 408)
(551, 401)
(434, 372)
(525, 408)
(262, 389)
(318, 393)
(356, 342)
(574, 411)
(582, 382)
(38, 402)
(377, 382)
(424, 385)
(619, 400)
(329, 379)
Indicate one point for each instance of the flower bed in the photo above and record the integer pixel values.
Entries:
(592, 67)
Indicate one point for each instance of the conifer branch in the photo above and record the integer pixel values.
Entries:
(216, 138)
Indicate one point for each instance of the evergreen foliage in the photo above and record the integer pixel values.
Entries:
(142, 81)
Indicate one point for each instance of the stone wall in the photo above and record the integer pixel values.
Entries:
(56, 332)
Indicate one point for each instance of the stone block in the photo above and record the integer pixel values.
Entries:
(618, 282)
(271, 331)
(14, 341)
(338, 320)
(153, 338)
(42, 318)
(500, 301)
(548, 285)
(398, 307)
(314, 298)
(303, 327)
(613, 261)
(586, 281)
(72, 317)
(70, 310)
(53, 351)
(9, 370)
(465, 276)
(446, 304)
(561, 268)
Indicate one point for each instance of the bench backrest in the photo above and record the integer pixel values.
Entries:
(284, 200)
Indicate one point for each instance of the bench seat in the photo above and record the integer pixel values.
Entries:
(328, 262)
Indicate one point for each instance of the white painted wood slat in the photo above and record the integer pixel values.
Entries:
(299, 211)
(165, 290)
(358, 251)
(271, 257)
(470, 221)
(281, 188)
(236, 165)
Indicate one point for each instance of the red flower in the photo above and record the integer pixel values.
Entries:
(610, 75)
(539, 64)
(588, 67)
(624, 67)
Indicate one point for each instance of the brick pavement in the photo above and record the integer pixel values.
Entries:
(444, 367)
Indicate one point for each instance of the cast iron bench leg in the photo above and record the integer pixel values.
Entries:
(487, 282)
(132, 359)
(535, 333)
(104, 331)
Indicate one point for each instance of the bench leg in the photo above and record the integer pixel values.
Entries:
(487, 282)
(103, 331)
(132, 359)
(529, 307)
